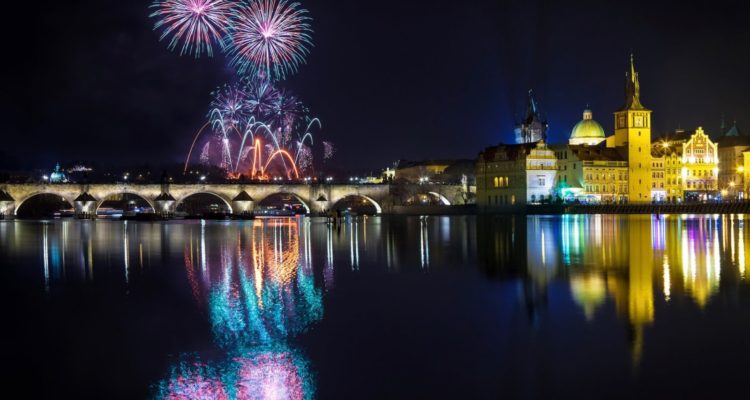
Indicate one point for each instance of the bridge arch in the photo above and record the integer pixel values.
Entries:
(444, 200)
(226, 202)
(269, 197)
(432, 198)
(20, 203)
(370, 200)
(106, 197)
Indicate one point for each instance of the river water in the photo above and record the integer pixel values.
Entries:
(593, 306)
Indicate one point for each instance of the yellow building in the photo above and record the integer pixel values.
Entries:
(691, 165)
(658, 178)
(673, 176)
(700, 167)
(591, 174)
(633, 130)
(588, 170)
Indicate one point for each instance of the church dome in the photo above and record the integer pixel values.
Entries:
(587, 131)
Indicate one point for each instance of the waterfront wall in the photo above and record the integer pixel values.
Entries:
(697, 208)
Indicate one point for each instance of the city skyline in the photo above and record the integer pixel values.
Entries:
(111, 93)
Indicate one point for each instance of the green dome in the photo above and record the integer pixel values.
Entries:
(587, 128)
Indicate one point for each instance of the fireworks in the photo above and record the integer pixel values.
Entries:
(270, 37)
(328, 150)
(196, 24)
(228, 104)
(265, 40)
(261, 97)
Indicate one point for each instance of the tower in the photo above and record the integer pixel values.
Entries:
(633, 130)
(532, 128)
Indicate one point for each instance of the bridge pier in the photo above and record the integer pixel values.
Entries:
(165, 205)
(242, 204)
(7, 205)
(85, 206)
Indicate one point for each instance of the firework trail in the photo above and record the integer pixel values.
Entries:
(193, 25)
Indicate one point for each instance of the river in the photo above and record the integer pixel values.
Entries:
(595, 306)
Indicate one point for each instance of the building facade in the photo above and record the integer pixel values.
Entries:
(515, 174)
(625, 167)
(732, 148)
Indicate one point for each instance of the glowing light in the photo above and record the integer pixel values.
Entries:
(251, 109)
(269, 37)
(667, 280)
(197, 24)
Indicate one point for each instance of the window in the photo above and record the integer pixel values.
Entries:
(541, 180)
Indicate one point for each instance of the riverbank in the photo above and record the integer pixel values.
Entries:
(698, 208)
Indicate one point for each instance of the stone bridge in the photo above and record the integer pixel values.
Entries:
(240, 198)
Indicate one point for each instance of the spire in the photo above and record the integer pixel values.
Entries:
(531, 109)
(531, 128)
(632, 89)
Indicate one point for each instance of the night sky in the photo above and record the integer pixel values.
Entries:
(90, 81)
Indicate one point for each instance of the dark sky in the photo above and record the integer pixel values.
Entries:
(89, 80)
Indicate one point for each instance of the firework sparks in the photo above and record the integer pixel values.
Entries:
(261, 97)
(228, 104)
(195, 24)
(270, 37)
(328, 150)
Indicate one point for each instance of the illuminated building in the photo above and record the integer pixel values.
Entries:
(673, 175)
(633, 132)
(591, 174)
(626, 167)
(732, 148)
(533, 128)
(698, 166)
(58, 175)
(658, 178)
(595, 168)
(515, 174)
(587, 131)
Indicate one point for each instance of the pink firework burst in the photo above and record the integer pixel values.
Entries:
(195, 24)
(270, 37)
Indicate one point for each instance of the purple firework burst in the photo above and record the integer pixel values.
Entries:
(194, 23)
(271, 37)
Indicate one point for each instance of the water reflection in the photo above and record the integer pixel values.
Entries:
(626, 259)
(259, 291)
(275, 373)
(258, 287)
